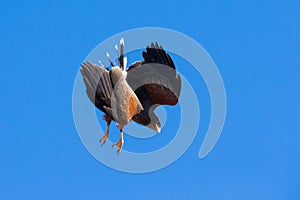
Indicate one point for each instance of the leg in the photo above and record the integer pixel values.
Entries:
(120, 143)
(105, 136)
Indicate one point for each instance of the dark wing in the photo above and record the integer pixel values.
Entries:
(156, 75)
(98, 86)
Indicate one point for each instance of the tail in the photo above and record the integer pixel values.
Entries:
(122, 59)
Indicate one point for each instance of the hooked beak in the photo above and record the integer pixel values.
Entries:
(158, 129)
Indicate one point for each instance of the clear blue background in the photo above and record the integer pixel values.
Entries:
(255, 45)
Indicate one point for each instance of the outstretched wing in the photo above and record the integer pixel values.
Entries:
(98, 86)
(156, 75)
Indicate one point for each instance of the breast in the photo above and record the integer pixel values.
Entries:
(124, 103)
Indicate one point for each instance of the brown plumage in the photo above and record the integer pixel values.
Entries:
(155, 82)
(148, 84)
(109, 91)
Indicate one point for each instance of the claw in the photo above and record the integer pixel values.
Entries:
(104, 138)
(119, 144)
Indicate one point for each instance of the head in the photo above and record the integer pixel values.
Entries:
(154, 123)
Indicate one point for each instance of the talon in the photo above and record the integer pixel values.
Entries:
(104, 138)
(119, 144)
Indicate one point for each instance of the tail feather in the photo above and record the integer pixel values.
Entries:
(121, 59)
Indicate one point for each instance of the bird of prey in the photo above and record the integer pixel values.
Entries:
(132, 93)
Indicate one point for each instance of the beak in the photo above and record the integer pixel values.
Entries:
(158, 130)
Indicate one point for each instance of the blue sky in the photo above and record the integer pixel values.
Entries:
(255, 45)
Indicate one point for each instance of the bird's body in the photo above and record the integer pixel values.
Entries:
(133, 94)
(112, 95)
(124, 102)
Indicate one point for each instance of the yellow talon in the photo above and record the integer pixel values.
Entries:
(104, 138)
(120, 143)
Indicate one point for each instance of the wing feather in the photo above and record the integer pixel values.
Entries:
(157, 75)
(98, 85)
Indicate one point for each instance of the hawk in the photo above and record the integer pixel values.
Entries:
(132, 93)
